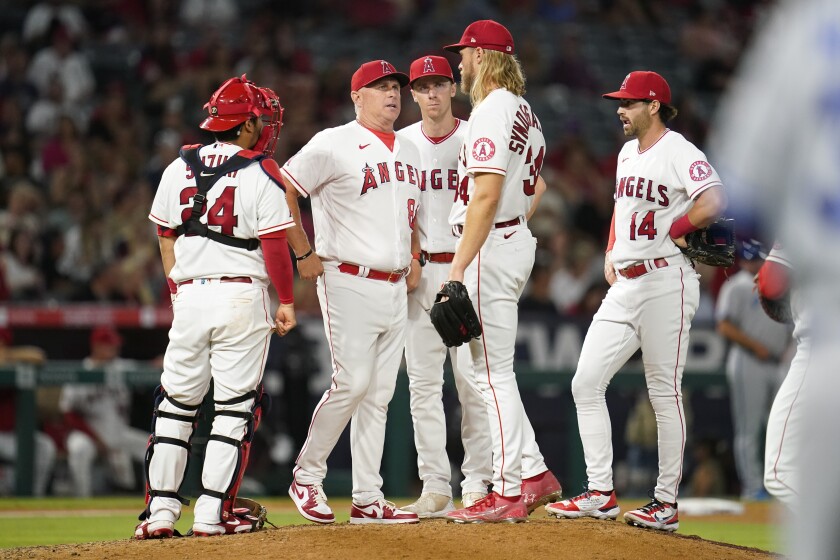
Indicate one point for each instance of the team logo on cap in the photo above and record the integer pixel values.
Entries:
(624, 83)
(700, 170)
(214, 110)
(386, 68)
(428, 66)
(483, 149)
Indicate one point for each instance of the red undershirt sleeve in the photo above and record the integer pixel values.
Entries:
(611, 241)
(773, 280)
(278, 263)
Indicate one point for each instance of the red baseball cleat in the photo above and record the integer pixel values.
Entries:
(154, 530)
(493, 508)
(592, 503)
(540, 490)
(381, 512)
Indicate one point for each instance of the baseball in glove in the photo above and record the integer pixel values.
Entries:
(713, 245)
(777, 309)
(453, 315)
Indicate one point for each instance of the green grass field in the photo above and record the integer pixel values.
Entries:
(31, 522)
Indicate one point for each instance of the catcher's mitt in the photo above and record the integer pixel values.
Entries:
(454, 318)
(251, 511)
(713, 245)
(777, 309)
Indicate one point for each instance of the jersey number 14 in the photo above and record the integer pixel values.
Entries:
(645, 227)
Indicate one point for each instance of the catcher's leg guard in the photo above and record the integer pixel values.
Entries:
(167, 455)
(228, 446)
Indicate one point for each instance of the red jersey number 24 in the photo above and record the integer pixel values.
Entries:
(220, 214)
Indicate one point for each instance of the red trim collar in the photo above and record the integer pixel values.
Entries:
(667, 130)
(440, 139)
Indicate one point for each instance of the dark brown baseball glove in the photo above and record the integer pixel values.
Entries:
(713, 245)
(453, 315)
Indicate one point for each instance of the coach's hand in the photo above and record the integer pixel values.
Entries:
(311, 267)
(413, 278)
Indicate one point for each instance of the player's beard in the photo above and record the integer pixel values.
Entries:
(467, 79)
(638, 126)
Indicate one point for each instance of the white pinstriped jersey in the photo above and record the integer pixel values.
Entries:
(438, 185)
(245, 204)
(503, 136)
(653, 188)
(364, 196)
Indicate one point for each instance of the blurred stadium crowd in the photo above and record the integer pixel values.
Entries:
(96, 97)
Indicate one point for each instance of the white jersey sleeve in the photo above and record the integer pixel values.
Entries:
(694, 170)
(503, 136)
(312, 166)
(244, 204)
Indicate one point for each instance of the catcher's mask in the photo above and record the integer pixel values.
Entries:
(239, 99)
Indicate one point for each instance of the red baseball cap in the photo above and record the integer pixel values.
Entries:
(487, 34)
(430, 66)
(371, 71)
(105, 335)
(642, 84)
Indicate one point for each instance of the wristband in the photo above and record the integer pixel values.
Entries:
(681, 227)
(300, 258)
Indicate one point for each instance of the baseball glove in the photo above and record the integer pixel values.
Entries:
(713, 245)
(777, 309)
(453, 315)
(252, 511)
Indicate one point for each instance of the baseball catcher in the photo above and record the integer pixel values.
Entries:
(713, 245)
(453, 315)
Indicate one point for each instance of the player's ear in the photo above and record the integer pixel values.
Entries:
(453, 89)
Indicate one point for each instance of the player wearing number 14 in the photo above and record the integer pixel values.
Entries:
(664, 189)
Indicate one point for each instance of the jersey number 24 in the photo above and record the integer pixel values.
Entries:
(220, 214)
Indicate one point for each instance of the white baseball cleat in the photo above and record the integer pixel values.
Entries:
(431, 506)
(661, 516)
(311, 502)
(592, 503)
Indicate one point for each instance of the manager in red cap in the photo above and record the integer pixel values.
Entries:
(364, 182)
(665, 188)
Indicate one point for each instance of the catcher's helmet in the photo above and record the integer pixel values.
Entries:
(239, 99)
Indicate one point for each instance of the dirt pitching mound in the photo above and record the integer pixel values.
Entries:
(430, 540)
